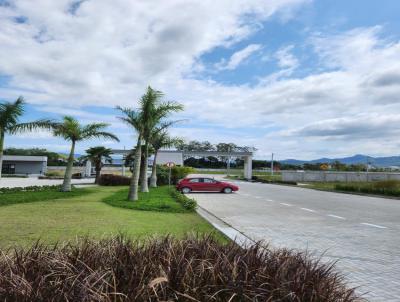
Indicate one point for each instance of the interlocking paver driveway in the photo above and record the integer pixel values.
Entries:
(362, 233)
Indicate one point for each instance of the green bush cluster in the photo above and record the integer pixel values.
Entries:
(188, 203)
(177, 173)
(386, 187)
(273, 181)
(30, 189)
(114, 180)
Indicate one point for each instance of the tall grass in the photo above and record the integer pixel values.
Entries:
(193, 269)
(385, 187)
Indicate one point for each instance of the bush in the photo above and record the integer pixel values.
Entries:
(188, 203)
(114, 180)
(273, 181)
(30, 189)
(192, 269)
(177, 173)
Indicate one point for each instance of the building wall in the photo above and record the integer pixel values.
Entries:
(329, 176)
(26, 167)
(165, 157)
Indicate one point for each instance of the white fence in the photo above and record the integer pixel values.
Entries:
(332, 176)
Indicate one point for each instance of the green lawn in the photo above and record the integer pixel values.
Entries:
(158, 199)
(86, 215)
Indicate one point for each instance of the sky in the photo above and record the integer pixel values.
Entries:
(303, 79)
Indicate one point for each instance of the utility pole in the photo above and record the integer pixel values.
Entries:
(272, 164)
(229, 160)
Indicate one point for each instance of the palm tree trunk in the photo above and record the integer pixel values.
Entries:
(66, 186)
(144, 186)
(98, 170)
(153, 177)
(1, 150)
(133, 188)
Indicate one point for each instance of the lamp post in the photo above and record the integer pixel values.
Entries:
(272, 164)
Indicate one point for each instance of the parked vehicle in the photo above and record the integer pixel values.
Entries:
(202, 184)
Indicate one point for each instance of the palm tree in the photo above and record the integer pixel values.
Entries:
(134, 119)
(161, 140)
(153, 111)
(71, 130)
(97, 155)
(10, 112)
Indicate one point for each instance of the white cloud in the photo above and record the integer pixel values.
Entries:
(285, 58)
(238, 57)
(106, 53)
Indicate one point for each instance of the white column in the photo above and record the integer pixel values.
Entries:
(88, 168)
(248, 167)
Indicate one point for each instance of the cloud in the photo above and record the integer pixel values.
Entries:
(285, 58)
(82, 53)
(238, 57)
(105, 53)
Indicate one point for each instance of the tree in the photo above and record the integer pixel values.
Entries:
(153, 111)
(71, 130)
(97, 155)
(160, 140)
(134, 118)
(10, 112)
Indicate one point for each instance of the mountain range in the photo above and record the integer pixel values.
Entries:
(356, 159)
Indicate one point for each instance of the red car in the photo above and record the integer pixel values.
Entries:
(202, 184)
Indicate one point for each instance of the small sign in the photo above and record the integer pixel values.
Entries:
(170, 164)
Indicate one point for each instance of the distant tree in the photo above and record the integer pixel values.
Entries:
(53, 158)
(71, 130)
(98, 156)
(159, 140)
(10, 113)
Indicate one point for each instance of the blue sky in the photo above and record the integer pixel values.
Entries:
(300, 78)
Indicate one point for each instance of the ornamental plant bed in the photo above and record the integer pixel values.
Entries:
(192, 269)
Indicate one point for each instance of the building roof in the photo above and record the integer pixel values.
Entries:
(24, 158)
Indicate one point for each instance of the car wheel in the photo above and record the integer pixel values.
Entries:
(227, 190)
(186, 190)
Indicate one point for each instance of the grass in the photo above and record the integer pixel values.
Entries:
(191, 269)
(158, 199)
(63, 219)
(379, 188)
(26, 197)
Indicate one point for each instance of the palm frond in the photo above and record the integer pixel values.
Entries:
(45, 124)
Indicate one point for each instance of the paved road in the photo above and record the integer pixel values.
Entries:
(363, 233)
(13, 182)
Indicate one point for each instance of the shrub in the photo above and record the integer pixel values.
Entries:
(114, 180)
(192, 269)
(30, 189)
(273, 181)
(188, 203)
(54, 173)
(177, 173)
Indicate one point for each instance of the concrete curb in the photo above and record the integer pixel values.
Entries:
(225, 228)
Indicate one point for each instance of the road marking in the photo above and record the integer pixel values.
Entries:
(285, 204)
(374, 225)
(308, 210)
(335, 216)
(269, 200)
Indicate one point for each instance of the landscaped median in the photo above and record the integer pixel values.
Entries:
(161, 199)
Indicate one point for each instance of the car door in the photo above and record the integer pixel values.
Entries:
(196, 184)
(210, 185)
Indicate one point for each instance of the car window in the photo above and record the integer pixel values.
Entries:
(209, 180)
(194, 180)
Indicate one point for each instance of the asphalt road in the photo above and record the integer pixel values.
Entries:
(362, 233)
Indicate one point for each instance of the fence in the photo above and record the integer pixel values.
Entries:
(332, 176)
